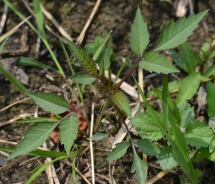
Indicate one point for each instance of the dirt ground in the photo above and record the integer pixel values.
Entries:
(115, 15)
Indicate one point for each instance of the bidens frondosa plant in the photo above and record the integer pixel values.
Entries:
(175, 123)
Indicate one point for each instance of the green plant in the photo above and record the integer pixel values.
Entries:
(175, 123)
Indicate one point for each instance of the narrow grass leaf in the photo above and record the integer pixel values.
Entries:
(51, 102)
(198, 134)
(154, 62)
(210, 98)
(147, 147)
(13, 80)
(2, 44)
(82, 78)
(118, 151)
(120, 99)
(139, 35)
(174, 34)
(140, 167)
(34, 137)
(188, 88)
(68, 131)
(24, 61)
(100, 48)
(210, 72)
(166, 158)
(39, 18)
(88, 65)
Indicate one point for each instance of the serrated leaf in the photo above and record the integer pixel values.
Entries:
(34, 137)
(118, 151)
(88, 65)
(120, 99)
(139, 35)
(98, 136)
(99, 50)
(186, 112)
(188, 88)
(147, 127)
(210, 98)
(166, 158)
(82, 78)
(154, 62)
(68, 131)
(174, 34)
(147, 147)
(198, 134)
(140, 167)
(51, 102)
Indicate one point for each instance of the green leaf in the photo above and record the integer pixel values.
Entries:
(13, 80)
(50, 102)
(147, 127)
(34, 137)
(210, 98)
(177, 59)
(147, 147)
(198, 134)
(139, 35)
(212, 123)
(212, 145)
(37, 153)
(88, 65)
(210, 72)
(24, 61)
(39, 18)
(68, 131)
(120, 99)
(201, 154)
(140, 167)
(188, 58)
(98, 136)
(203, 53)
(118, 151)
(174, 34)
(2, 44)
(99, 50)
(166, 158)
(186, 112)
(188, 88)
(82, 78)
(154, 62)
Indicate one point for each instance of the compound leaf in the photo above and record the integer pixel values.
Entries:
(198, 134)
(50, 102)
(139, 35)
(166, 158)
(119, 98)
(154, 62)
(34, 137)
(68, 131)
(88, 65)
(140, 167)
(188, 87)
(210, 98)
(118, 151)
(174, 34)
